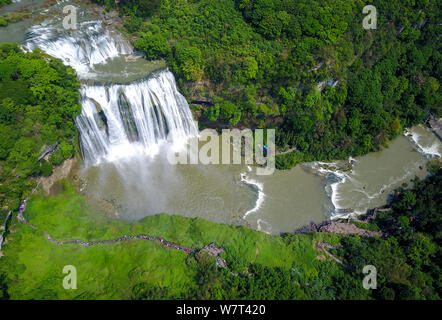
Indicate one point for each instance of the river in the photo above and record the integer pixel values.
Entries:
(133, 114)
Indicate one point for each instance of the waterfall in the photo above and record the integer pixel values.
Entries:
(81, 49)
(117, 120)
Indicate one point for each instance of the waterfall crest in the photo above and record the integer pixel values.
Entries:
(81, 49)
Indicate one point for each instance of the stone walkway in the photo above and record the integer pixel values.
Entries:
(160, 240)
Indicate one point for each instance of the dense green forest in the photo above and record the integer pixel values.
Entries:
(307, 68)
(38, 102)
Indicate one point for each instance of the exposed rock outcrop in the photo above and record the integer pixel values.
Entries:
(59, 173)
(215, 251)
(347, 229)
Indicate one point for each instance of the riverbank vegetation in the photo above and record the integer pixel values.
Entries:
(4, 2)
(259, 266)
(13, 17)
(38, 102)
(3, 21)
(307, 68)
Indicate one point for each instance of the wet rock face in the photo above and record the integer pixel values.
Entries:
(347, 229)
(58, 173)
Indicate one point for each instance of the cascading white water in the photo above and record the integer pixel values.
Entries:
(120, 120)
(117, 120)
(81, 49)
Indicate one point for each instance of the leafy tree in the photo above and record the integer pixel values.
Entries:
(38, 101)
(154, 45)
(189, 61)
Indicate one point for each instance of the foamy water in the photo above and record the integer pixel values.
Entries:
(425, 143)
(356, 185)
(260, 192)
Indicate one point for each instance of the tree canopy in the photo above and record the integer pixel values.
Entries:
(38, 102)
(339, 89)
